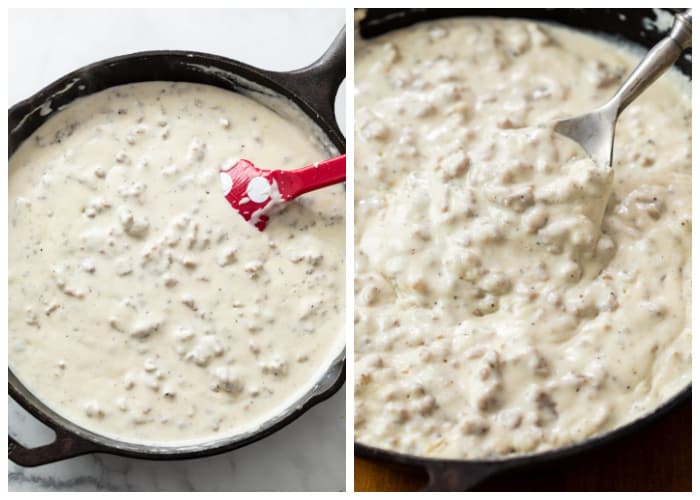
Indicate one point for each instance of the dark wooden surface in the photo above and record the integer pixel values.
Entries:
(657, 458)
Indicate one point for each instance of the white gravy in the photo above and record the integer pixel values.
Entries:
(142, 306)
(510, 295)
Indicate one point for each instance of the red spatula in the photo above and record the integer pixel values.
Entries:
(253, 192)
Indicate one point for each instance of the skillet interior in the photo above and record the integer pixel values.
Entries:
(629, 25)
(285, 94)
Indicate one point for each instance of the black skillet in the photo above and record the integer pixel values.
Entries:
(311, 90)
(624, 24)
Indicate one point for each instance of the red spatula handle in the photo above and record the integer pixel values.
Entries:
(293, 183)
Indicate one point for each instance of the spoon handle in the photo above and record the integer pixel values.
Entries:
(293, 183)
(657, 61)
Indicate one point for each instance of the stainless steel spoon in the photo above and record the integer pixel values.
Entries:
(595, 131)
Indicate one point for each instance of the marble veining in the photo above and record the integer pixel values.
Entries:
(307, 455)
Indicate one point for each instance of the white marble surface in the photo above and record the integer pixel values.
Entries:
(44, 44)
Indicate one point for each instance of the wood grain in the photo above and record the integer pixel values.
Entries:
(658, 458)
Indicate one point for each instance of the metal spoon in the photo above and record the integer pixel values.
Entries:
(595, 131)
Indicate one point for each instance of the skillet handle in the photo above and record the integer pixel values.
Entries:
(318, 82)
(455, 477)
(65, 446)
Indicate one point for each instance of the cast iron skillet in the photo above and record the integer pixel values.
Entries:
(311, 89)
(622, 23)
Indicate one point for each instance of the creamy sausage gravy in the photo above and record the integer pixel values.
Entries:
(511, 295)
(142, 306)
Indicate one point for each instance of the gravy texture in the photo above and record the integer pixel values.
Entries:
(511, 296)
(142, 306)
